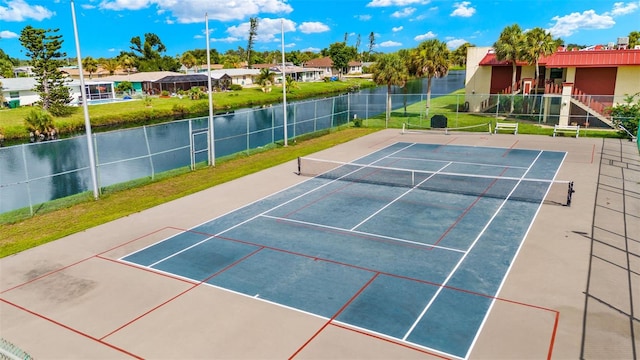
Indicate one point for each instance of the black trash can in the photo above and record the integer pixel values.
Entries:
(438, 121)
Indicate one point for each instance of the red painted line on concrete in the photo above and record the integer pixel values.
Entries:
(553, 336)
(181, 293)
(466, 211)
(510, 148)
(71, 329)
(335, 315)
(147, 270)
(404, 345)
(77, 262)
(376, 272)
(134, 240)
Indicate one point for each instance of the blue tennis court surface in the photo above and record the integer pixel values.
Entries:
(419, 261)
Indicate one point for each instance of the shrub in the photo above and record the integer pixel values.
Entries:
(235, 87)
(125, 86)
(39, 124)
(627, 114)
(179, 111)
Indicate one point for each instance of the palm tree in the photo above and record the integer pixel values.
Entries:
(188, 60)
(127, 62)
(266, 78)
(509, 47)
(538, 43)
(111, 65)
(430, 59)
(291, 83)
(90, 65)
(390, 70)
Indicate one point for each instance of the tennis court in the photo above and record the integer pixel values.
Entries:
(410, 243)
(384, 247)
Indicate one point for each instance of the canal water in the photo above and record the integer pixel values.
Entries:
(32, 174)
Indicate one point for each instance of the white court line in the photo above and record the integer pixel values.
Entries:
(506, 274)
(461, 162)
(262, 213)
(455, 268)
(399, 197)
(362, 233)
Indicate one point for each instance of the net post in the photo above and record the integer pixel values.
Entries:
(490, 133)
(299, 167)
(403, 127)
(570, 192)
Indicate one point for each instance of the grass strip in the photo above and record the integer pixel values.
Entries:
(86, 213)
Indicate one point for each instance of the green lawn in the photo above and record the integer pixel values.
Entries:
(77, 213)
(137, 113)
(448, 105)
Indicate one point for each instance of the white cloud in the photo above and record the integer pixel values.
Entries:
(311, 49)
(455, 43)
(363, 17)
(569, 24)
(228, 39)
(396, 29)
(427, 36)
(406, 12)
(390, 44)
(87, 6)
(125, 4)
(313, 27)
(192, 11)
(19, 10)
(198, 36)
(112, 50)
(621, 8)
(463, 9)
(268, 30)
(6, 34)
(386, 3)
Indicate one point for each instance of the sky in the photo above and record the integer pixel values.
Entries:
(106, 27)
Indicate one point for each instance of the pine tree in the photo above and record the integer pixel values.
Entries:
(43, 48)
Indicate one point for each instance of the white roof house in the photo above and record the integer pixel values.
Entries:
(243, 77)
(22, 89)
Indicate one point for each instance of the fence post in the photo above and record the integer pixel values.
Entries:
(26, 177)
(192, 146)
(146, 140)
(248, 134)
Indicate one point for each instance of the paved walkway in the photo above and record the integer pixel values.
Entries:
(612, 296)
(571, 293)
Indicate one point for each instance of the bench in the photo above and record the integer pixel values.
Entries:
(566, 129)
(511, 127)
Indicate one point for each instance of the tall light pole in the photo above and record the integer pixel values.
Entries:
(284, 86)
(212, 145)
(85, 106)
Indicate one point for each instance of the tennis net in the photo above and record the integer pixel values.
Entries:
(472, 129)
(500, 187)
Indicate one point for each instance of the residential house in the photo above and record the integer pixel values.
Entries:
(143, 82)
(297, 73)
(22, 89)
(577, 86)
(354, 68)
(199, 69)
(242, 77)
(74, 73)
(324, 64)
(175, 83)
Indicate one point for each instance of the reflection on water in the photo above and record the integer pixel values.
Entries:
(60, 168)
